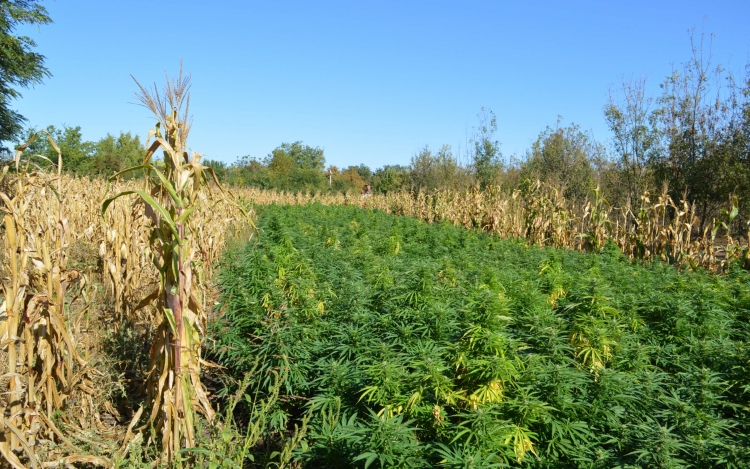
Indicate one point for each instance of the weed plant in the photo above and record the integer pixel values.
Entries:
(417, 345)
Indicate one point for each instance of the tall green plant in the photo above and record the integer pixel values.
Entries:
(486, 156)
(175, 189)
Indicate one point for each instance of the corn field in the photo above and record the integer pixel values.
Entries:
(49, 299)
(46, 381)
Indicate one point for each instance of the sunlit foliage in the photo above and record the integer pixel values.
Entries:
(428, 345)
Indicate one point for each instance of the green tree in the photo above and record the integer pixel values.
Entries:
(637, 135)
(306, 179)
(348, 180)
(302, 156)
(250, 171)
(113, 154)
(39, 147)
(562, 156)
(280, 163)
(222, 170)
(296, 167)
(701, 110)
(441, 170)
(391, 178)
(76, 152)
(487, 156)
(421, 170)
(364, 172)
(20, 66)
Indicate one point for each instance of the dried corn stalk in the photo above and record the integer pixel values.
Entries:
(41, 353)
(176, 192)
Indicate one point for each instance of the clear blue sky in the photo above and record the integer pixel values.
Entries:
(370, 82)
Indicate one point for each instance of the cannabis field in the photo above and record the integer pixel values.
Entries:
(390, 342)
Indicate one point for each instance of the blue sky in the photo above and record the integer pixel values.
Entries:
(370, 82)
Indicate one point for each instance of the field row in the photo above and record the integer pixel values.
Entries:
(654, 228)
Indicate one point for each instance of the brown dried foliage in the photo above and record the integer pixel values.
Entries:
(44, 334)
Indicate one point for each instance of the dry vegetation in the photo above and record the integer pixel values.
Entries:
(48, 328)
(157, 240)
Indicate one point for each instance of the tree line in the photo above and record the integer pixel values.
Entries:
(692, 139)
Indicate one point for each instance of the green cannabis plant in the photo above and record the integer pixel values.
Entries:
(415, 345)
